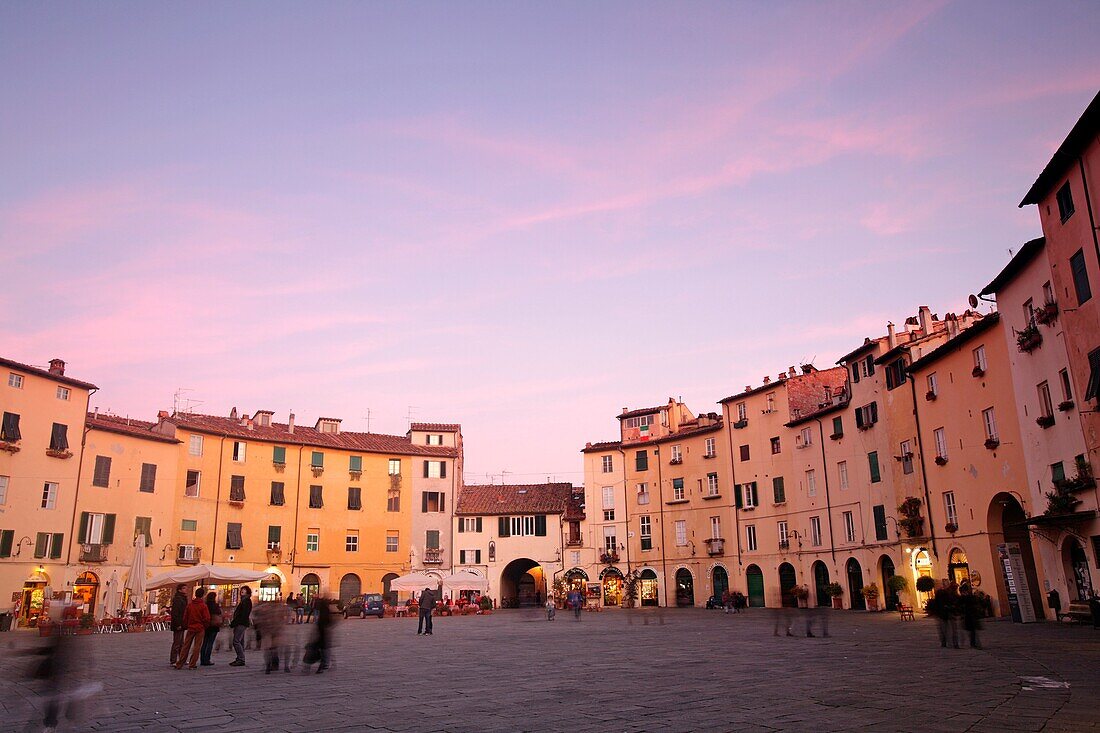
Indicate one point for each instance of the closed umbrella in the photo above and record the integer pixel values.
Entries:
(135, 583)
(112, 595)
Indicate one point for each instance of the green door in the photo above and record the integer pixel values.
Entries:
(787, 582)
(821, 579)
(756, 586)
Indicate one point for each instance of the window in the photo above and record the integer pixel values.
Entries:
(906, 457)
(96, 529)
(681, 533)
(643, 494)
(746, 495)
(811, 482)
(49, 495)
(609, 515)
(990, 423)
(189, 525)
(949, 508)
(712, 484)
(433, 439)
(849, 527)
(148, 478)
(393, 501)
(316, 497)
(395, 467)
(313, 540)
(391, 541)
(744, 453)
(1065, 202)
(750, 537)
(872, 462)
(606, 462)
(941, 443)
(815, 531)
(769, 402)
(274, 537)
(979, 359)
(641, 461)
(879, 512)
(806, 437)
(48, 545)
(317, 460)
(191, 485)
(355, 498)
(842, 471)
(716, 528)
(59, 437)
(63, 393)
(522, 526)
(866, 416)
(642, 422)
(9, 429)
(645, 531)
(277, 493)
(708, 449)
(143, 527)
(236, 489)
(868, 364)
(355, 464)
(194, 446)
(1046, 408)
(4, 481)
(742, 411)
(435, 469)
(677, 456)
(779, 492)
(608, 497)
(7, 539)
(1080, 277)
(610, 541)
(933, 385)
(473, 557)
(469, 524)
(1029, 312)
(855, 373)
(895, 374)
(1067, 390)
(1057, 472)
(838, 427)
(784, 537)
(351, 542)
(233, 538)
(239, 450)
(278, 455)
(775, 446)
(677, 489)
(15, 380)
(432, 501)
(101, 474)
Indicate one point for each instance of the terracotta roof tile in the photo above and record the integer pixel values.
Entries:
(126, 426)
(45, 373)
(445, 427)
(553, 498)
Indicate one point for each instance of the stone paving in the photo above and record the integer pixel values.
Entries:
(674, 670)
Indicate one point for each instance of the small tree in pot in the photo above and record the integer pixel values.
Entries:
(897, 584)
(835, 591)
(871, 593)
(801, 593)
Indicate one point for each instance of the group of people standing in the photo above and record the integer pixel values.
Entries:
(195, 625)
(953, 603)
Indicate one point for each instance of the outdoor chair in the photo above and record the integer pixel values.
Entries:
(906, 612)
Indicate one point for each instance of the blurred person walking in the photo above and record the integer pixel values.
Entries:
(213, 626)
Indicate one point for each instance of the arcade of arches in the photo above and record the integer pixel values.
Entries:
(522, 583)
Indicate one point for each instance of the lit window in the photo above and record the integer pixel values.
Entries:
(395, 467)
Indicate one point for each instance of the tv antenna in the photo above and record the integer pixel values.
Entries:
(409, 415)
(181, 403)
(367, 418)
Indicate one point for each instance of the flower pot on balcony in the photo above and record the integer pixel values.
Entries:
(1065, 406)
(941, 460)
(1044, 421)
(1047, 314)
(992, 444)
(977, 372)
(741, 424)
(63, 454)
(836, 436)
(10, 447)
(1029, 339)
(930, 396)
(951, 527)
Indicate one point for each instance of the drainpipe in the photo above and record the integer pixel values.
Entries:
(828, 497)
(217, 499)
(297, 509)
(661, 498)
(923, 468)
(733, 480)
(79, 469)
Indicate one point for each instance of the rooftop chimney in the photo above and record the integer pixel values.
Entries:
(233, 414)
(807, 368)
(891, 335)
(162, 415)
(952, 325)
(748, 387)
(791, 371)
(290, 424)
(782, 376)
(925, 315)
(767, 379)
(57, 366)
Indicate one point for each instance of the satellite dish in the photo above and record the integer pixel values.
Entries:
(973, 299)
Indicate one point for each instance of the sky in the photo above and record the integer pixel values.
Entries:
(520, 217)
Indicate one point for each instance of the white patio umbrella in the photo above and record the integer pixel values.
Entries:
(464, 580)
(414, 582)
(205, 574)
(135, 582)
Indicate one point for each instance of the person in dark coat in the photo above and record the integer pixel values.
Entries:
(427, 605)
(318, 649)
(178, 607)
(240, 623)
(212, 628)
(971, 614)
(945, 607)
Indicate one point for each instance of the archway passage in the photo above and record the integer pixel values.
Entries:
(720, 581)
(86, 591)
(787, 581)
(390, 595)
(821, 580)
(270, 588)
(855, 585)
(612, 580)
(1007, 524)
(754, 578)
(685, 588)
(1078, 565)
(350, 586)
(647, 587)
(888, 572)
(311, 587)
(522, 583)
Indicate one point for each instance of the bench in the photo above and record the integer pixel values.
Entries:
(906, 612)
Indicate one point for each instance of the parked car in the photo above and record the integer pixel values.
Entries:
(714, 602)
(368, 604)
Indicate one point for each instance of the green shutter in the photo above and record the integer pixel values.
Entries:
(477, 557)
(872, 460)
(82, 533)
(7, 537)
(838, 426)
(737, 500)
(880, 522)
(425, 471)
(778, 490)
(318, 459)
(40, 541)
(278, 454)
(540, 525)
(442, 469)
(502, 527)
(477, 524)
(108, 528)
(55, 546)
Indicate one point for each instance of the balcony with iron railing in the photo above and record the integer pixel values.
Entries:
(715, 546)
(574, 542)
(188, 555)
(93, 553)
(433, 556)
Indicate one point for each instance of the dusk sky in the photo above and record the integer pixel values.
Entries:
(518, 217)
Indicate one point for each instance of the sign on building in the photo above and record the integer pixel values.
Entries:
(1019, 594)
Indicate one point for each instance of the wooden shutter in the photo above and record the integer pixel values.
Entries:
(274, 533)
(874, 413)
(442, 501)
(870, 365)
(148, 477)
(880, 521)
(102, 475)
(872, 460)
(278, 454)
(461, 524)
(859, 417)
(7, 537)
(425, 472)
(424, 502)
(838, 426)
(477, 523)
(778, 489)
(56, 544)
(108, 528)
(82, 532)
(738, 501)
(40, 542)
(10, 430)
(59, 438)
(540, 525)
(276, 493)
(477, 557)
(503, 527)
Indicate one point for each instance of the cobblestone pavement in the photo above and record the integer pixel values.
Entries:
(675, 670)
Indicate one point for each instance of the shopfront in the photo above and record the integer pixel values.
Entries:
(922, 568)
(647, 587)
(958, 569)
(86, 592)
(32, 599)
(311, 587)
(612, 579)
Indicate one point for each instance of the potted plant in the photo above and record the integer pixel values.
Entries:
(1065, 405)
(930, 395)
(951, 528)
(486, 605)
(87, 621)
(926, 584)
(1029, 339)
(801, 593)
(977, 372)
(912, 522)
(897, 584)
(992, 443)
(835, 591)
(941, 460)
(1044, 421)
(630, 590)
(1047, 314)
(1060, 502)
(871, 593)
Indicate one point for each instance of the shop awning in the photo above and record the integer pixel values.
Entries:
(463, 580)
(414, 582)
(205, 574)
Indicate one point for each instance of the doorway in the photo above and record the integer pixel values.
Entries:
(719, 581)
(889, 594)
(86, 591)
(522, 583)
(855, 585)
(311, 587)
(647, 587)
(350, 586)
(1007, 523)
(1079, 569)
(685, 588)
(389, 595)
(821, 581)
(787, 582)
(755, 580)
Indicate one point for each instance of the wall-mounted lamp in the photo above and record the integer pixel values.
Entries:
(19, 545)
(167, 548)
